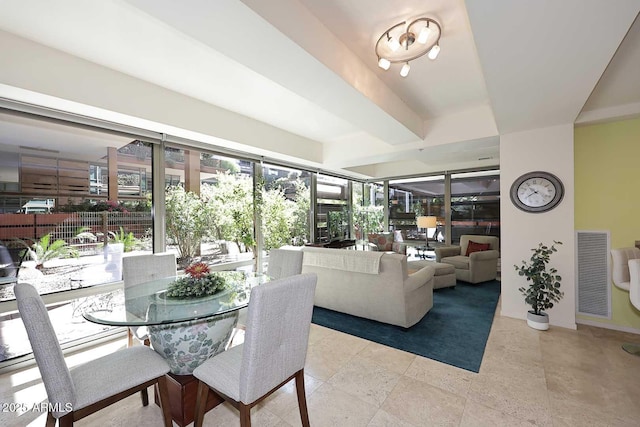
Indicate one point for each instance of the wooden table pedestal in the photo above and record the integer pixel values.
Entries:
(183, 390)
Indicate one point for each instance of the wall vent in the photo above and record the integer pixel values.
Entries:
(593, 288)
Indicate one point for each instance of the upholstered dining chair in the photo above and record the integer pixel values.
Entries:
(282, 263)
(620, 266)
(144, 268)
(634, 297)
(74, 394)
(273, 352)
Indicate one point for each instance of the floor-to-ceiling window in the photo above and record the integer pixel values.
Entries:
(73, 201)
(473, 197)
(285, 207)
(413, 197)
(368, 209)
(332, 209)
(209, 204)
(475, 204)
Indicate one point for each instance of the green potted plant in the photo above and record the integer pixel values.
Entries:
(544, 285)
(199, 282)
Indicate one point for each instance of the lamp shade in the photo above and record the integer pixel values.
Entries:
(427, 221)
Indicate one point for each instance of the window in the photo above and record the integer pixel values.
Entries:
(209, 206)
(475, 204)
(285, 206)
(332, 218)
(70, 217)
(410, 198)
(368, 209)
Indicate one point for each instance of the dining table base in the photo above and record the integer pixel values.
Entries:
(187, 345)
(183, 390)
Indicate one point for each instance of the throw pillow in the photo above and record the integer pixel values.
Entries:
(383, 241)
(477, 247)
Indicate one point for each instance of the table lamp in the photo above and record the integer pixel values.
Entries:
(426, 222)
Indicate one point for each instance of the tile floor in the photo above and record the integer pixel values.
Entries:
(555, 378)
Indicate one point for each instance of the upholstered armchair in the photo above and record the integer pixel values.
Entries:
(475, 260)
(387, 242)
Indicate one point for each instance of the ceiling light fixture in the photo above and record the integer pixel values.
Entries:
(403, 43)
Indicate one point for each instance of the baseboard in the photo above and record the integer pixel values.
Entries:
(608, 326)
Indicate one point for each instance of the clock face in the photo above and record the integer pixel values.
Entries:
(537, 192)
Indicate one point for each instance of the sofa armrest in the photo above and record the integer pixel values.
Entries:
(419, 278)
(483, 255)
(446, 251)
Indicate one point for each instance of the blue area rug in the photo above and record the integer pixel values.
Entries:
(454, 331)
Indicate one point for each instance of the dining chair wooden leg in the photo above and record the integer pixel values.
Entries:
(66, 420)
(165, 404)
(51, 420)
(245, 414)
(302, 398)
(144, 396)
(201, 403)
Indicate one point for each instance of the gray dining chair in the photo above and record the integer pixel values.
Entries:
(74, 394)
(282, 263)
(273, 352)
(144, 268)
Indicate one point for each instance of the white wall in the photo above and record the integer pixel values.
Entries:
(551, 150)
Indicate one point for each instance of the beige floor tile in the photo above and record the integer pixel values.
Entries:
(331, 407)
(559, 377)
(365, 380)
(576, 384)
(441, 375)
(568, 413)
(572, 351)
(316, 333)
(225, 415)
(388, 357)
(477, 415)
(525, 401)
(421, 404)
(385, 419)
(326, 356)
(284, 400)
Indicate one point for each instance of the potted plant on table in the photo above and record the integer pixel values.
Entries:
(544, 285)
(198, 282)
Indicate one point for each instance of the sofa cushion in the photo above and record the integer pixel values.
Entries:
(460, 262)
(477, 247)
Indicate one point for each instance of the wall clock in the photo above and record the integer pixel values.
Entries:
(537, 192)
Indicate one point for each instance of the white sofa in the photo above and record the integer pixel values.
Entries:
(373, 285)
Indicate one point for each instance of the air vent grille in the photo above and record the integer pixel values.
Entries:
(594, 294)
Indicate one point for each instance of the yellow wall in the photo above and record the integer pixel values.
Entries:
(607, 195)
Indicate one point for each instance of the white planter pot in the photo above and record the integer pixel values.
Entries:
(539, 322)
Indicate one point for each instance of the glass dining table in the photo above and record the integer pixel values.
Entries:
(186, 332)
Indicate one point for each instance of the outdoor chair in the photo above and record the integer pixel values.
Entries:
(74, 394)
(273, 352)
(145, 268)
(10, 262)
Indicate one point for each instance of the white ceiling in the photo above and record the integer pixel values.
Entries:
(308, 67)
